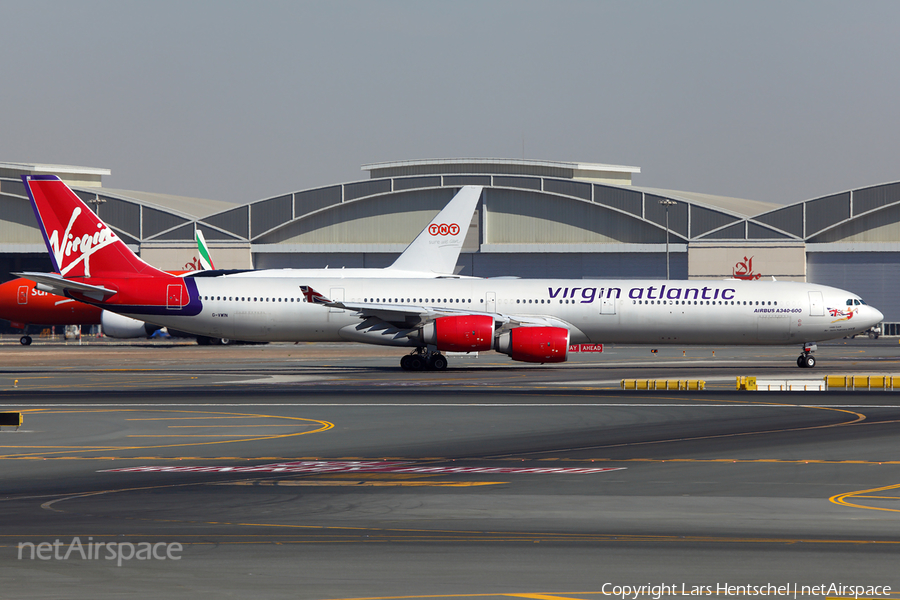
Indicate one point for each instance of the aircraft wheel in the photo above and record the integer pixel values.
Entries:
(202, 340)
(809, 361)
(404, 362)
(25, 340)
(438, 362)
(225, 342)
(416, 362)
(801, 362)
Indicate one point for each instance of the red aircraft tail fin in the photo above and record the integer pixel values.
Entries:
(80, 244)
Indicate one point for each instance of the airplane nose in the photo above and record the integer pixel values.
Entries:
(878, 316)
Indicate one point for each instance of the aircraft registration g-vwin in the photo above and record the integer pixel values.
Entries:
(531, 320)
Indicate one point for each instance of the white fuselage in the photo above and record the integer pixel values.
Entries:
(594, 311)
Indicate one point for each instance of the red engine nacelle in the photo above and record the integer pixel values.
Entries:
(535, 344)
(465, 333)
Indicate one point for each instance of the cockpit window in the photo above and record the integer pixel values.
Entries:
(849, 301)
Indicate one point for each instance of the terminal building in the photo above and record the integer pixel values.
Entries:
(536, 219)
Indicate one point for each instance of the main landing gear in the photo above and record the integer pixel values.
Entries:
(420, 360)
(807, 360)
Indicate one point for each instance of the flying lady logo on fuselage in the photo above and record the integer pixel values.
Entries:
(845, 315)
(71, 251)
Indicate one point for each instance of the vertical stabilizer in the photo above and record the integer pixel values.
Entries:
(206, 263)
(436, 249)
(80, 244)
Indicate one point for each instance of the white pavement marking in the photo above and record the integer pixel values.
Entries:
(356, 466)
(281, 379)
(749, 404)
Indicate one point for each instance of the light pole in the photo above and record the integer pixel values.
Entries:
(97, 201)
(667, 203)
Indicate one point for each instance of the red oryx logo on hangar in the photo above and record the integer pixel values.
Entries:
(443, 229)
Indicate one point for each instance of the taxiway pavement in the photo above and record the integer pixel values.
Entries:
(353, 479)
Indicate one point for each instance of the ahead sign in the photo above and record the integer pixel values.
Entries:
(586, 348)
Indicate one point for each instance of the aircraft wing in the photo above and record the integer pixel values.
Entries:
(55, 283)
(413, 316)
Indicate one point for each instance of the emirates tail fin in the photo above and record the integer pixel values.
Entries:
(206, 263)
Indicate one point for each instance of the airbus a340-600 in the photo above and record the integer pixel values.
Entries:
(532, 320)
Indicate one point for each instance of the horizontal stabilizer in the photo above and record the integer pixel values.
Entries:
(59, 285)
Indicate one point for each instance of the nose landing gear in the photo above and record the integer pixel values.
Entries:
(420, 360)
(806, 360)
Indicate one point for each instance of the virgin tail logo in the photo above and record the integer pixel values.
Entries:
(75, 250)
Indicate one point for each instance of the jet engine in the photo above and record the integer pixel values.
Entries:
(463, 333)
(535, 344)
(119, 326)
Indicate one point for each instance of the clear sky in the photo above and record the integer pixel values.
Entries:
(774, 101)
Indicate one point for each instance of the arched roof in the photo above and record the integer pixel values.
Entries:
(519, 213)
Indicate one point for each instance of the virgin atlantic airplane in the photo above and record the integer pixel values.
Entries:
(531, 320)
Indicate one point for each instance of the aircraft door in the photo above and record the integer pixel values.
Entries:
(608, 306)
(816, 305)
(23, 294)
(490, 299)
(173, 296)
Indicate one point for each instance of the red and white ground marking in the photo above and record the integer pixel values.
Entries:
(361, 466)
